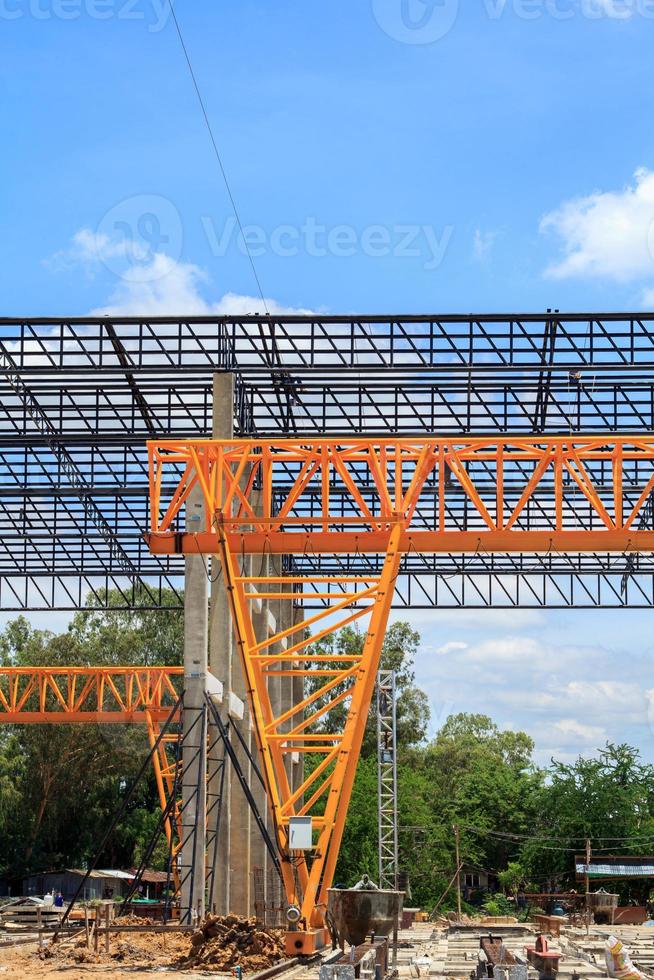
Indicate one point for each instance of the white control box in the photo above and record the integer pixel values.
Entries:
(300, 836)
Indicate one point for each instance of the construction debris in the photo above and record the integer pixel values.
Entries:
(224, 942)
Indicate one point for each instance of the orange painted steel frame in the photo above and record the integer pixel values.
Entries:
(296, 510)
(397, 470)
(95, 695)
(100, 696)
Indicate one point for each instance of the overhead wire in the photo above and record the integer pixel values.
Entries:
(217, 153)
(529, 838)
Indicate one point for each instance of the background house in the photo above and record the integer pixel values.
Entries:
(103, 883)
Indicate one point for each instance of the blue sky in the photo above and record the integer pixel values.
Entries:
(385, 155)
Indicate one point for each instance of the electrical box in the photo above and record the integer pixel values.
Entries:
(300, 836)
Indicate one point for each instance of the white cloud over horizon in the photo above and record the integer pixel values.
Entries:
(607, 234)
(564, 680)
(153, 283)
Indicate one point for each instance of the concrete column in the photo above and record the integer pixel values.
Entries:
(221, 652)
(240, 847)
(239, 865)
(259, 565)
(233, 885)
(194, 757)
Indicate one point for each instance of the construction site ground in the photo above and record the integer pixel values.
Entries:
(450, 950)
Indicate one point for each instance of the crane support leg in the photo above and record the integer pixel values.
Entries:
(334, 679)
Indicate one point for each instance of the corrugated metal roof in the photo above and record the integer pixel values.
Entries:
(151, 877)
(98, 873)
(634, 869)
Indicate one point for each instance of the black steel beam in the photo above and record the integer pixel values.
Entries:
(79, 397)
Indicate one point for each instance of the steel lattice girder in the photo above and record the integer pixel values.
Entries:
(546, 494)
(387, 826)
(79, 397)
(95, 695)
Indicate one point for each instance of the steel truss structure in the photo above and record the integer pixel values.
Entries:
(78, 398)
(106, 696)
(92, 695)
(387, 825)
(153, 697)
(373, 497)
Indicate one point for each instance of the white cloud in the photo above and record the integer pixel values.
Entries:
(571, 680)
(521, 649)
(607, 233)
(453, 646)
(603, 696)
(570, 727)
(166, 286)
(89, 248)
(152, 282)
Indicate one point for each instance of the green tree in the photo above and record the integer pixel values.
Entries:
(483, 779)
(608, 798)
(511, 878)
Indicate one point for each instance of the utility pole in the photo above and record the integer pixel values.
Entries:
(458, 870)
(587, 881)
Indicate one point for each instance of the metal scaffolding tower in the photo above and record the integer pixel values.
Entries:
(387, 779)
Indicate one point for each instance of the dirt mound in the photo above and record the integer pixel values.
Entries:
(142, 949)
(134, 920)
(225, 941)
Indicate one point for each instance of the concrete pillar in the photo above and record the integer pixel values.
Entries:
(194, 760)
(240, 847)
(259, 565)
(221, 652)
(233, 884)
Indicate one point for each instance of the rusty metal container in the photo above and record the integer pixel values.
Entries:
(356, 913)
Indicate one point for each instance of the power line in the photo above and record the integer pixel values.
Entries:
(217, 154)
(527, 838)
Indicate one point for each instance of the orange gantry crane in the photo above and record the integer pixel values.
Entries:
(103, 696)
(380, 498)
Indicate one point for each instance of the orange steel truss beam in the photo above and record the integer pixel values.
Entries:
(326, 497)
(95, 695)
(307, 728)
(102, 696)
(321, 496)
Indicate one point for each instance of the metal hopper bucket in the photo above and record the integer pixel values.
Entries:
(356, 913)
